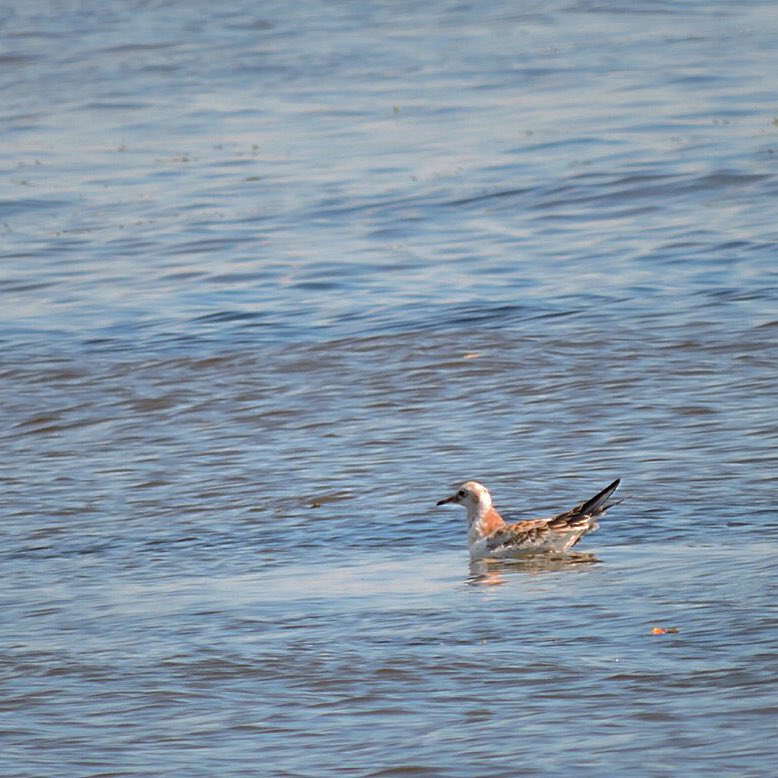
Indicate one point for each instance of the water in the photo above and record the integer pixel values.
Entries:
(275, 278)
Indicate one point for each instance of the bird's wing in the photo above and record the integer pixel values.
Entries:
(587, 510)
(521, 534)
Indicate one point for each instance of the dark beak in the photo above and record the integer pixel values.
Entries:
(453, 498)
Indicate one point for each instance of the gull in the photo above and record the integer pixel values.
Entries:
(490, 537)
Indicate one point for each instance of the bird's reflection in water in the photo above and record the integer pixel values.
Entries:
(491, 572)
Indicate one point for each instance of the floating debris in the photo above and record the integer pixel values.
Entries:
(664, 630)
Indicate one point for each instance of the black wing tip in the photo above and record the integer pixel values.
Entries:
(599, 503)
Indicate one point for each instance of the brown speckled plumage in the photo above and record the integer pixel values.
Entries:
(489, 536)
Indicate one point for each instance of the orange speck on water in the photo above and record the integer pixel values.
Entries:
(664, 630)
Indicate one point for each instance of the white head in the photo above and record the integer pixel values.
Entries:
(474, 496)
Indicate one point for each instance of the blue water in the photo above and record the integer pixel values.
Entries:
(275, 278)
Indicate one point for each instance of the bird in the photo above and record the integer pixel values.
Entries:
(489, 536)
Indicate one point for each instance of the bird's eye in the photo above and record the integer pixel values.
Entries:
(462, 493)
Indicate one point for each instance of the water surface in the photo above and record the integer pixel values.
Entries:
(274, 278)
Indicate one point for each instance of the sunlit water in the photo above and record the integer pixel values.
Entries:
(275, 277)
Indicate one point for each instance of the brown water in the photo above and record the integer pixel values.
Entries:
(274, 280)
